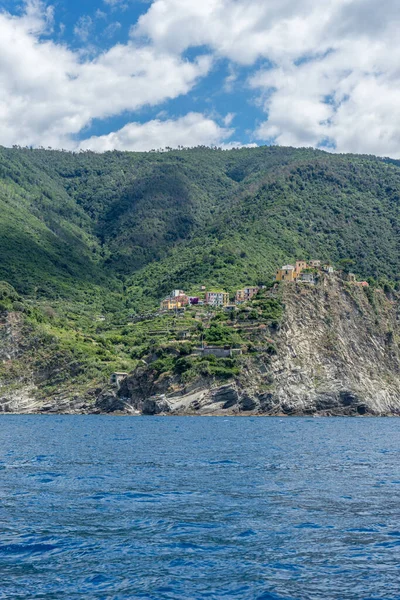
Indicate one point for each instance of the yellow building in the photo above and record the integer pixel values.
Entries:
(290, 272)
(173, 303)
(286, 273)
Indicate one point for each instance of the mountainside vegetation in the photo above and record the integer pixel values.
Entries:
(90, 242)
(140, 223)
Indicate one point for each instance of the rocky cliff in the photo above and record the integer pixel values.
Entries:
(337, 353)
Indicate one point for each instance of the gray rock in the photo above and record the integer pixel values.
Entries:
(155, 406)
(109, 402)
(247, 403)
(226, 394)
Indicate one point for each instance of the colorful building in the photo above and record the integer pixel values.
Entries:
(300, 266)
(217, 298)
(286, 273)
(292, 273)
(246, 294)
(175, 300)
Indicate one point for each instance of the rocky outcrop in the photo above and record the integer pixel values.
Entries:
(338, 351)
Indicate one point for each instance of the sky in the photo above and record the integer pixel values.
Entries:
(150, 74)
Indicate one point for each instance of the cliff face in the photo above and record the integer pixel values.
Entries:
(338, 350)
(17, 391)
(21, 379)
(337, 353)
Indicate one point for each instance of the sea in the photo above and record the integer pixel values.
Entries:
(102, 507)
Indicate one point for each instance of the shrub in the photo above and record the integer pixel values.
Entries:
(182, 365)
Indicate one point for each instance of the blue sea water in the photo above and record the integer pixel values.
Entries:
(184, 508)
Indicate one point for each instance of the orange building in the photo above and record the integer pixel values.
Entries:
(300, 266)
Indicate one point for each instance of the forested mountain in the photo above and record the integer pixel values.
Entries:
(141, 223)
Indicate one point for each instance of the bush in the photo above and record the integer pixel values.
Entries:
(163, 365)
(182, 365)
(18, 306)
(185, 349)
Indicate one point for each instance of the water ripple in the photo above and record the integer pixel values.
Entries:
(269, 509)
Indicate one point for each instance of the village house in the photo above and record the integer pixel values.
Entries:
(328, 269)
(246, 294)
(286, 273)
(353, 279)
(307, 277)
(294, 273)
(315, 264)
(217, 298)
(117, 377)
(176, 300)
(300, 266)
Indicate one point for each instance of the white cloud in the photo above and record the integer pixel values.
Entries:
(112, 29)
(242, 30)
(193, 129)
(83, 28)
(332, 73)
(49, 93)
(228, 119)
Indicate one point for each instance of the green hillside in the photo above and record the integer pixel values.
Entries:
(92, 242)
(133, 225)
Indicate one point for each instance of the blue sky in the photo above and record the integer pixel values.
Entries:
(132, 74)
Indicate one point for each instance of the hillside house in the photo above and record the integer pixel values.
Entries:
(217, 298)
(246, 294)
(328, 269)
(286, 273)
(315, 264)
(300, 266)
(307, 277)
(175, 302)
(177, 293)
(117, 377)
